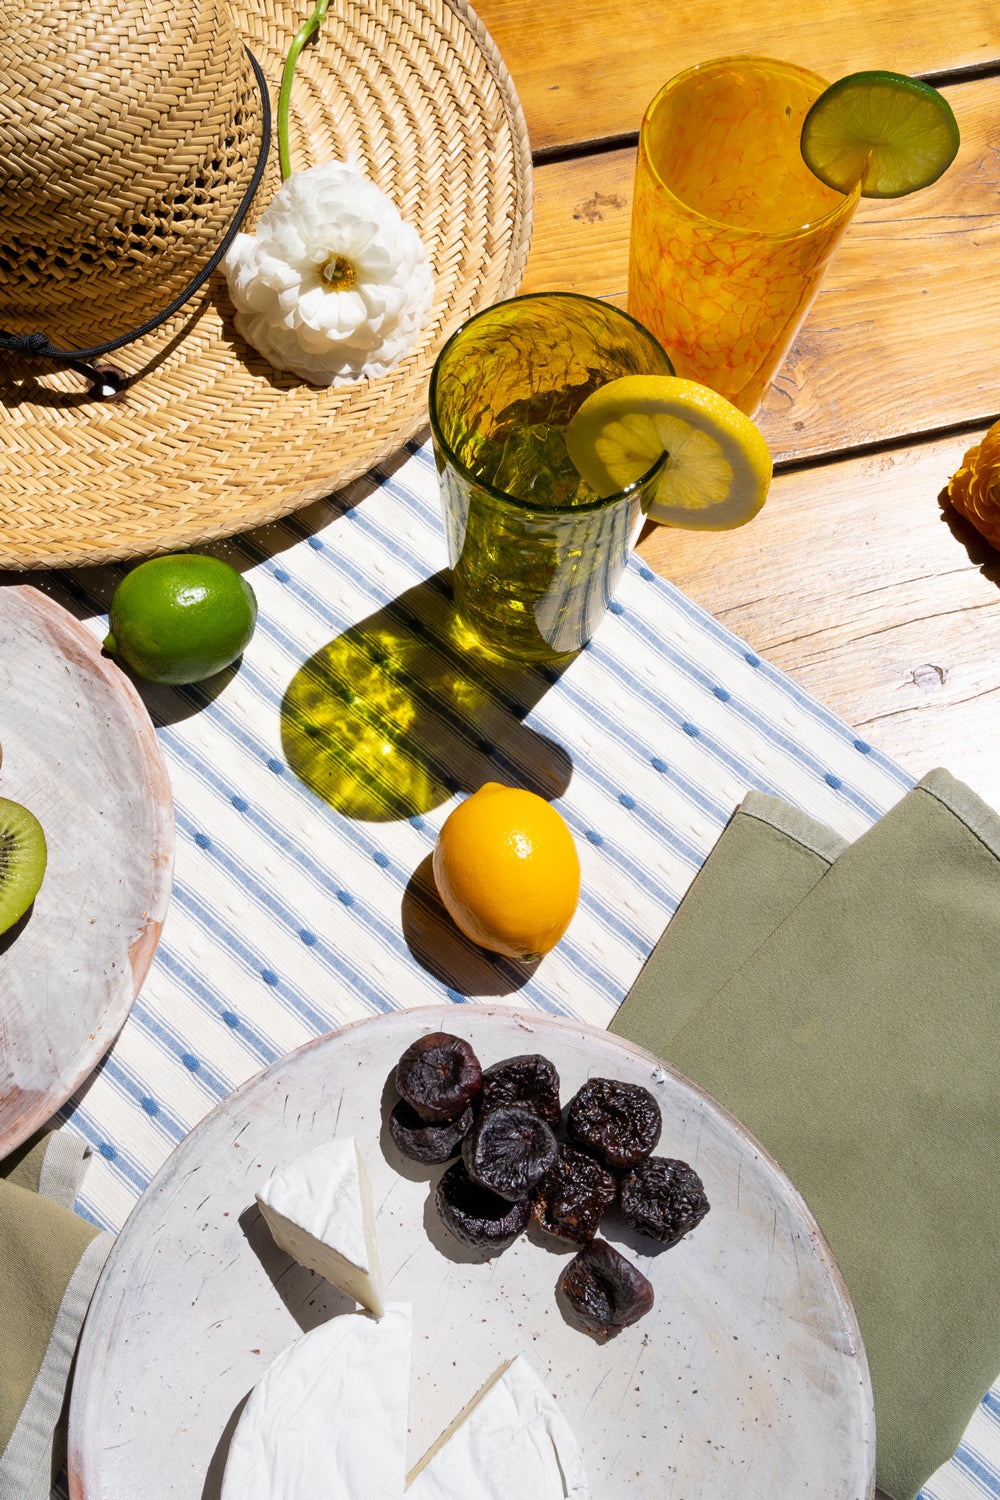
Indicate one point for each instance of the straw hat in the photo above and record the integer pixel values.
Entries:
(130, 133)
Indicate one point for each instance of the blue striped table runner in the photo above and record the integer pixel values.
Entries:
(302, 902)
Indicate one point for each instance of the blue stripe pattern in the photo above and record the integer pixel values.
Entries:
(302, 897)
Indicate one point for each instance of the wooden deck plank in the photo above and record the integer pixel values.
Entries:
(860, 582)
(889, 347)
(585, 72)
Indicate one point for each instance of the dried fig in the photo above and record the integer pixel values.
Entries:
(664, 1198)
(476, 1216)
(603, 1292)
(430, 1142)
(529, 1080)
(620, 1121)
(570, 1199)
(439, 1076)
(508, 1150)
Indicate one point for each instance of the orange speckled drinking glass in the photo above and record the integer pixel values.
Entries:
(731, 231)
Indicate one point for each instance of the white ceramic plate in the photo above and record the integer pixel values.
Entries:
(746, 1381)
(79, 751)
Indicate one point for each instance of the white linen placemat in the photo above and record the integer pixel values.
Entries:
(295, 910)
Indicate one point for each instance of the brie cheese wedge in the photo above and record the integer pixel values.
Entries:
(328, 1417)
(319, 1208)
(510, 1441)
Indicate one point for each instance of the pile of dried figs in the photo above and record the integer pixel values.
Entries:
(515, 1156)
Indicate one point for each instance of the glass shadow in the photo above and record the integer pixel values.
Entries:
(397, 714)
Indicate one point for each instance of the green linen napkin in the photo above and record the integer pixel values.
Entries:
(769, 856)
(50, 1261)
(859, 1040)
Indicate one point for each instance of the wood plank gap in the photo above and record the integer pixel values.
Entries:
(971, 429)
(547, 155)
(947, 76)
(628, 140)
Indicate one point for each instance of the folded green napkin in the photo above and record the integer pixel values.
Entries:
(844, 1003)
(50, 1260)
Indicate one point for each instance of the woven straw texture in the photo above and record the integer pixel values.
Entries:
(125, 156)
(211, 440)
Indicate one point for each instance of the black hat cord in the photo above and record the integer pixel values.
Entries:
(105, 383)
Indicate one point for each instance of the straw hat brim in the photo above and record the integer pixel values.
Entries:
(212, 440)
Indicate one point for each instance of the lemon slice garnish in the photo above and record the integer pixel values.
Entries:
(718, 467)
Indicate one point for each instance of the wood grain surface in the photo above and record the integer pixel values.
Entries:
(586, 72)
(859, 581)
(856, 579)
(893, 345)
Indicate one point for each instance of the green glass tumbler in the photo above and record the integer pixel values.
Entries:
(536, 555)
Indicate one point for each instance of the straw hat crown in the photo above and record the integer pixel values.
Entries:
(129, 130)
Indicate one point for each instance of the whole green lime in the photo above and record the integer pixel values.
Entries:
(180, 618)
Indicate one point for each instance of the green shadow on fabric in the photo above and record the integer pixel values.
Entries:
(395, 716)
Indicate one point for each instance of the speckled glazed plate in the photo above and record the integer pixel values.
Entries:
(78, 750)
(747, 1379)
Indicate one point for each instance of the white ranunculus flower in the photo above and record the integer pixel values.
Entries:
(334, 286)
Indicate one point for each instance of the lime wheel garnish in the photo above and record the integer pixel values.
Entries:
(891, 133)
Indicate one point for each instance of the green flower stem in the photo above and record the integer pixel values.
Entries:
(305, 31)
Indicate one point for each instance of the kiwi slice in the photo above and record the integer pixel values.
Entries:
(22, 860)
